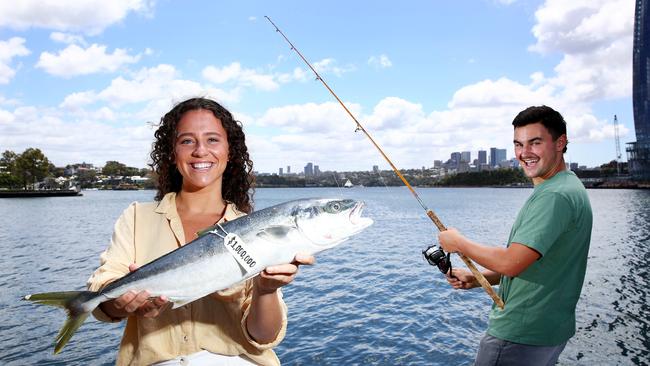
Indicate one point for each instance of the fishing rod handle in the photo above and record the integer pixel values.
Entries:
(477, 274)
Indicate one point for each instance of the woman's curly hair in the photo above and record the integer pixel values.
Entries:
(238, 178)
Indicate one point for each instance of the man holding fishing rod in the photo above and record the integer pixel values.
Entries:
(542, 268)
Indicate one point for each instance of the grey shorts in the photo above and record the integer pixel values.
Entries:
(497, 352)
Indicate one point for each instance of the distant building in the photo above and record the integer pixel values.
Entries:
(463, 167)
(375, 168)
(455, 158)
(288, 169)
(316, 171)
(497, 156)
(280, 172)
(482, 157)
(309, 170)
(573, 166)
(466, 156)
(638, 153)
(437, 163)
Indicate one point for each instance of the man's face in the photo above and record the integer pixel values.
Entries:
(540, 156)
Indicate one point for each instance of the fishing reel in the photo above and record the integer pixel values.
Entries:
(437, 258)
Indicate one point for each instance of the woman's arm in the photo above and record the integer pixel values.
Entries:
(264, 320)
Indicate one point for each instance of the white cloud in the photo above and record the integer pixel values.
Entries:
(6, 117)
(330, 66)
(596, 40)
(87, 16)
(380, 62)
(500, 92)
(240, 76)
(8, 50)
(159, 83)
(309, 117)
(67, 38)
(65, 140)
(74, 60)
(148, 94)
(78, 100)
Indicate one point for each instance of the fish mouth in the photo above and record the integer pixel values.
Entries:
(356, 219)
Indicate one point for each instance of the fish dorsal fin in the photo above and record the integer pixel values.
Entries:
(276, 232)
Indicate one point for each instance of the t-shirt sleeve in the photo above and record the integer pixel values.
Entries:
(545, 219)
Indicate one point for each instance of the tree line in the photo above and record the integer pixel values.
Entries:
(31, 168)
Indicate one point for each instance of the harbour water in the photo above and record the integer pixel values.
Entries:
(370, 301)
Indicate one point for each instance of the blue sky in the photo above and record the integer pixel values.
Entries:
(84, 80)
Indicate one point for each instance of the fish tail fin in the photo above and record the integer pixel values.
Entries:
(73, 303)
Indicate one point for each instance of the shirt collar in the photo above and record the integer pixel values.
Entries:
(167, 206)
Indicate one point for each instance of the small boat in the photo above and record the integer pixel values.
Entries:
(348, 184)
(21, 193)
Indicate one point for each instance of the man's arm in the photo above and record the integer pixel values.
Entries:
(510, 261)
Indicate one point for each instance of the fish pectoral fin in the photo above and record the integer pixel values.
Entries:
(178, 302)
(275, 232)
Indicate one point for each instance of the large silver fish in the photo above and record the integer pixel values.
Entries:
(222, 256)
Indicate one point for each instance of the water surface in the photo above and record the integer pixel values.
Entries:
(371, 300)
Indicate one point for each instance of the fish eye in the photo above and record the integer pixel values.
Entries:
(333, 207)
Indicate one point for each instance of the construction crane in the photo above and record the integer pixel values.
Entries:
(618, 147)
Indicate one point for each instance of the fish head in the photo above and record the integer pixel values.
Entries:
(328, 222)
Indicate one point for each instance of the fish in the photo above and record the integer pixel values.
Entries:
(222, 256)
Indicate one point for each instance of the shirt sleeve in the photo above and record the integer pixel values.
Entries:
(546, 218)
(115, 261)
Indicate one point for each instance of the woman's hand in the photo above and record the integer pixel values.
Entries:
(274, 277)
(134, 303)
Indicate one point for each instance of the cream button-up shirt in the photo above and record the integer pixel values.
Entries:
(216, 323)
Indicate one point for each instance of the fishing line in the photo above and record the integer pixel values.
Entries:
(383, 181)
(337, 184)
(477, 274)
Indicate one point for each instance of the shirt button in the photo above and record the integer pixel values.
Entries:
(184, 361)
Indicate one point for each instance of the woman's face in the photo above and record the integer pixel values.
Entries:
(201, 149)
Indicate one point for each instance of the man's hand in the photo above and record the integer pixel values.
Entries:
(451, 240)
(462, 279)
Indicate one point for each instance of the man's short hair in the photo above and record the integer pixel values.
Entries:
(547, 116)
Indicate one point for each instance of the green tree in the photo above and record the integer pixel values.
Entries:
(32, 166)
(130, 171)
(144, 172)
(114, 168)
(86, 177)
(8, 177)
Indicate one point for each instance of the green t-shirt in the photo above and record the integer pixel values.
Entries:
(540, 302)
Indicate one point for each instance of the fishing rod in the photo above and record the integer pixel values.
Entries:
(477, 274)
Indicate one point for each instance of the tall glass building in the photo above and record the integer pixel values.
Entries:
(638, 153)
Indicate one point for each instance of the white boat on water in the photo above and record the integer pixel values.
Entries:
(348, 184)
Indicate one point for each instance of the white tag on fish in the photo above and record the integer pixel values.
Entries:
(239, 250)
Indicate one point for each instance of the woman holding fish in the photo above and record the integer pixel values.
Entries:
(205, 176)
